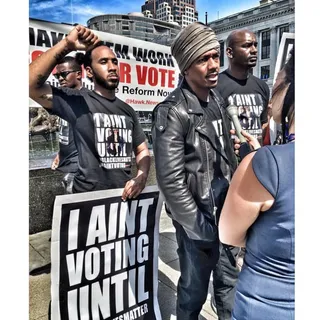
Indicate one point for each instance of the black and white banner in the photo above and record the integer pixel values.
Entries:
(104, 256)
(148, 72)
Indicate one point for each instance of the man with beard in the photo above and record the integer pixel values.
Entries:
(93, 114)
(239, 87)
(69, 74)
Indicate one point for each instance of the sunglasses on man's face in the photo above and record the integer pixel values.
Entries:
(63, 74)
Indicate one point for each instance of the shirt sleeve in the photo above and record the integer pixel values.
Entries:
(63, 103)
(138, 136)
(266, 169)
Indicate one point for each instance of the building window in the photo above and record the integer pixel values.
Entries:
(282, 30)
(265, 72)
(265, 45)
(221, 54)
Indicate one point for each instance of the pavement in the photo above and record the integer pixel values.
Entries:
(39, 284)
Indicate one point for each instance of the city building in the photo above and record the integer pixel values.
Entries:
(181, 11)
(136, 25)
(268, 21)
(163, 12)
(150, 5)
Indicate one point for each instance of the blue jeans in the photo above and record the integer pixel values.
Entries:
(225, 277)
(197, 260)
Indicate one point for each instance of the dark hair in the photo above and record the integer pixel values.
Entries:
(288, 103)
(73, 61)
(87, 57)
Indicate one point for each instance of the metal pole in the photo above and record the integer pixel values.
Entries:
(71, 13)
(206, 18)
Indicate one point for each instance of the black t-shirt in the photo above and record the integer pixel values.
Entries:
(68, 153)
(219, 182)
(214, 116)
(106, 132)
(251, 96)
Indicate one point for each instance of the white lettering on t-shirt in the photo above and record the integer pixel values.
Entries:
(250, 107)
(217, 124)
(113, 139)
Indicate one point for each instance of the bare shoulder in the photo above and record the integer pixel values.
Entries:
(247, 186)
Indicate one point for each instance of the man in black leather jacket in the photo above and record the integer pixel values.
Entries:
(194, 161)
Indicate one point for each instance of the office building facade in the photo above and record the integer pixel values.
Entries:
(182, 12)
(136, 25)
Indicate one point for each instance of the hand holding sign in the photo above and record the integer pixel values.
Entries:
(104, 256)
(134, 187)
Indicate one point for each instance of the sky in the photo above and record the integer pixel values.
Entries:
(80, 11)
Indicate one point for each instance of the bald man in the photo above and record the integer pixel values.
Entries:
(239, 87)
(194, 161)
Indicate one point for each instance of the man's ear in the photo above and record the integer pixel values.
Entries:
(89, 72)
(79, 75)
(229, 52)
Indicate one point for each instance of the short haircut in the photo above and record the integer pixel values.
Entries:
(73, 62)
(86, 58)
(230, 39)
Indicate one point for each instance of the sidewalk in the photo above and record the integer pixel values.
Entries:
(39, 285)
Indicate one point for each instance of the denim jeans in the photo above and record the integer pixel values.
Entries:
(67, 182)
(225, 277)
(197, 260)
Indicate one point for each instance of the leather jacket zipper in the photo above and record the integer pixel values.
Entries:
(210, 189)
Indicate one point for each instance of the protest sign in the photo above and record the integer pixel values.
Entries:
(104, 256)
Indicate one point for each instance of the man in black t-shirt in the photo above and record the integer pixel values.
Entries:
(251, 95)
(93, 115)
(238, 87)
(69, 74)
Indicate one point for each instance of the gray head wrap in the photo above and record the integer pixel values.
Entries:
(191, 42)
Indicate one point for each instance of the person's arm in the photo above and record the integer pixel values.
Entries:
(79, 38)
(245, 199)
(55, 162)
(134, 186)
(264, 114)
(169, 153)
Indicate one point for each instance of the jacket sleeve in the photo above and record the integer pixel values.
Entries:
(168, 134)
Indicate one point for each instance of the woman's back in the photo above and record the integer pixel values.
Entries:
(265, 288)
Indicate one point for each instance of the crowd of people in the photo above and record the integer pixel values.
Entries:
(222, 206)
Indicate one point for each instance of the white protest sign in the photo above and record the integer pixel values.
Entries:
(104, 256)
